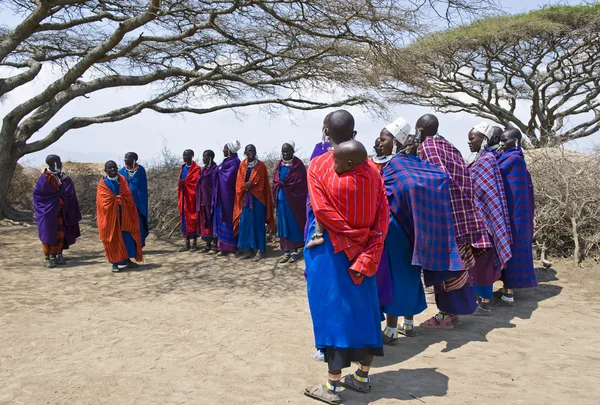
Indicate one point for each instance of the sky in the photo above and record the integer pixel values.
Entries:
(148, 132)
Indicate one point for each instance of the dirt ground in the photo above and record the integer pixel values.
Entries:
(192, 329)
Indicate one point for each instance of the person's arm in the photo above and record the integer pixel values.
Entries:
(367, 262)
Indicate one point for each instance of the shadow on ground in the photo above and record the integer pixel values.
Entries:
(474, 329)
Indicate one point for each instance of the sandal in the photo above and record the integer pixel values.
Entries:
(285, 258)
(435, 323)
(455, 320)
(132, 265)
(321, 393)
(388, 337)
(295, 257)
(49, 263)
(407, 332)
(352, 383)
(205, 249)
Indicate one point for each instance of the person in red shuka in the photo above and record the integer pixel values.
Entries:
(186, 199)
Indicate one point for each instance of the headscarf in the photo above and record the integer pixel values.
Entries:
(234, 146)
(400, 130)
(487, 130)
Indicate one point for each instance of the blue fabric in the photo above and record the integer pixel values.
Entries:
(223, 231)
(484, 291)
(287, 226)
(138, 184)
(184, 172)
(519, 271)
(457, 302)
(253, 232)
(114, 186)
(344, 315)
(408, 293)
(419, 198)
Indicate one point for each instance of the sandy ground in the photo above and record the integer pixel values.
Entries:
(190, 329)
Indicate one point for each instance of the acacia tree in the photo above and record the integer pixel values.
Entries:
(546, 60)
(196, 56)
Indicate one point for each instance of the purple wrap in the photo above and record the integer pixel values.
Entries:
(295, 188)
(224, 184)
(205, 187)
(320, 149)
(46, 203)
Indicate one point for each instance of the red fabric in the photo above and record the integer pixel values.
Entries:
(261, 190)
(186, 192)
(353, 208)
(109, 225)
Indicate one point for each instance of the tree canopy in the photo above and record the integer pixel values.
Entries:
(195, 56)
(546, 60)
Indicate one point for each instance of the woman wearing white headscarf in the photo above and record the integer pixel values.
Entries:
(224, 197)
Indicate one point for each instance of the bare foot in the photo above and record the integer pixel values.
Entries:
(315, 242)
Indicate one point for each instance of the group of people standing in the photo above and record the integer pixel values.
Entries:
(375, 230)
(228, 205)
(416, 214)
(231, 205)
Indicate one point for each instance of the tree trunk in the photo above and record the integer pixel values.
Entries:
(8, 164)
(577, 251)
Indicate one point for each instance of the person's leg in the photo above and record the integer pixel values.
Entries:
(359, 381)
(390, 333)
(408, 327)
(295, 256)
(485, 293)
(187, 246)
(505, 297)
(194, 246)
(286, 257)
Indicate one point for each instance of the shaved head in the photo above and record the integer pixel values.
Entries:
(428, 124)
(495, 138)
(339, 126)
(53, 162)
(348, 154)
(513, 133)
(511, 138)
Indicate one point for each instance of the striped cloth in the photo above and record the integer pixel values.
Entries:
(490, 201)
(468, 226)
(419, 195)
(353, 208)
(519, 272)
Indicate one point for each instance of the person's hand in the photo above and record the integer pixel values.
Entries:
(248, 185)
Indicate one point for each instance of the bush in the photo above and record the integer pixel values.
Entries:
(567, 200)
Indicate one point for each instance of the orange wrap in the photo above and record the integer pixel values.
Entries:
(261, 190)
(110, 224)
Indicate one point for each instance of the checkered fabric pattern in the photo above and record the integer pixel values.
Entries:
(468, 226)
(519, 272)
(490, 201)
(419, 198)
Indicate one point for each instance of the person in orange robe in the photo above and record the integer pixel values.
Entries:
(253, 207)
(186, 199)
(118, 221)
